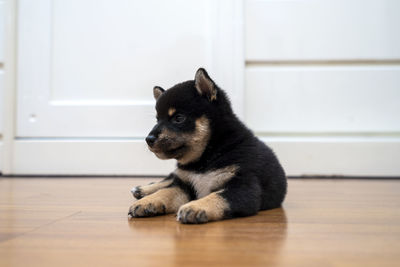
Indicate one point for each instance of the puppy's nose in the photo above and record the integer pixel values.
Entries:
(150, 140)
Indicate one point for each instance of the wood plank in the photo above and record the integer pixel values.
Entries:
(81, 222)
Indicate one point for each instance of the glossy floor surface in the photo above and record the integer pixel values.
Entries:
(83, 222)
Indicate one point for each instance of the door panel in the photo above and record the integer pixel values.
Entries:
(322, 30)
(87, 68)
(325, 99)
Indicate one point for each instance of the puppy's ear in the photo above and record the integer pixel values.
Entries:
(204, 85)
(157, 91)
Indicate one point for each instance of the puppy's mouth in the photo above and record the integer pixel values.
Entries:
(168, 153)
(175, 150)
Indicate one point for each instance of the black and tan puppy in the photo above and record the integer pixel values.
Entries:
(223, 170)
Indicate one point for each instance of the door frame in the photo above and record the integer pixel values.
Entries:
(9, 93)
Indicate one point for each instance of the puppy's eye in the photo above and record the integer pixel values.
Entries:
(178, 118)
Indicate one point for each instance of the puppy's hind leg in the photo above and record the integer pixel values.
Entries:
(144, 190)
(238, 198)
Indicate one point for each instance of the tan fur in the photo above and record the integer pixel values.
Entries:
(151, 188)
(169, 198)
(204, 85)
(213, 205)
(213, 96)
(157, 92)
(205, 183)
(197, 141)
(171, 111)
(167, 135)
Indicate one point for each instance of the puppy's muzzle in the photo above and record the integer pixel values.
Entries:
(150, 140)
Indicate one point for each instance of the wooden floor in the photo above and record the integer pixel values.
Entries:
(83, 222)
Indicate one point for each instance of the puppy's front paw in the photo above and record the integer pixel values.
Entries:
(192, 214)
(137, 192)
(143, 208)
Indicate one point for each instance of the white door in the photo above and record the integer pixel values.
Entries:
(323, 84)
(86, 70)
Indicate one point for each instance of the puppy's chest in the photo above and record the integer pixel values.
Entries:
(207, 182)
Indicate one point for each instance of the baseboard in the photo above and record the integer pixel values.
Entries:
(86, 157)
(339, 156)
(302, 156)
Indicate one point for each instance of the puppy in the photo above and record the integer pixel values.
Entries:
(223, 170)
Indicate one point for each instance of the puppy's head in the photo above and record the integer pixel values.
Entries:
(183, 122)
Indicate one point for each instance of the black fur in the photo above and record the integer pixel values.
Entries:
(259, 183)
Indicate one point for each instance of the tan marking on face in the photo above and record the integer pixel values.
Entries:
(197, 141)
(214, 206)
(171, 198)
(213, 96)
(205, 183)
(171, 111)
(151, 188)
(165, 135)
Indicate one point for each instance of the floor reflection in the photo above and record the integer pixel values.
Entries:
(251, 240)
(244, 241)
